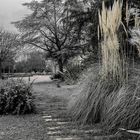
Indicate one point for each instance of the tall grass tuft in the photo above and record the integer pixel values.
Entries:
(109, 22)
(90, 109)
(106, 97)
(80, 103)
(90, 104)
(123, 109)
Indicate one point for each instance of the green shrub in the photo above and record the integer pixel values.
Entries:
(16, 97)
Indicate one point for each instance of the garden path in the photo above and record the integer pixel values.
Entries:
(52, 102)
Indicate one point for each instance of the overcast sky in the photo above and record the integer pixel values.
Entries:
(11, 10)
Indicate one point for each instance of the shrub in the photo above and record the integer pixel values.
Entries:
(73, 72)
(16, 97)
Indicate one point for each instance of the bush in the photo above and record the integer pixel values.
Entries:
(16, 97)
(73, 72)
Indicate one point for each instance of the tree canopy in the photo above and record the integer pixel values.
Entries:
(48, 28)
(64, 29)
(34, 62)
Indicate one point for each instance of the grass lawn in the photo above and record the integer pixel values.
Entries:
(28, 127)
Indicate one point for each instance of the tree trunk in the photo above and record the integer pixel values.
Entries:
(60, 65)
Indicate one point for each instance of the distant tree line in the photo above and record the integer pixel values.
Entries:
(9, 43)
(35, 62)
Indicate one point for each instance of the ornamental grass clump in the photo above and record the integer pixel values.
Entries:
(123, 109)
(90, 104)
(85, 100)
(16, 97)
(113, 66)
(109, 97)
